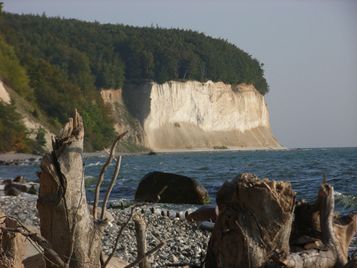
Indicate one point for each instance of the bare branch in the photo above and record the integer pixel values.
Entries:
(102, 172)
(110, 187)
(125, 224)
(147, 254)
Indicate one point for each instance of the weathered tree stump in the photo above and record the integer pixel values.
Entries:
(254, 227)
(12, 245)
(335, 234)
(65, 219)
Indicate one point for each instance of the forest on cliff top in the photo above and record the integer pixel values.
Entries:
(59, 64)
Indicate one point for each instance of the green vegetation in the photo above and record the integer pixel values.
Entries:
(92, 54)
(58, 64)
(12, 131)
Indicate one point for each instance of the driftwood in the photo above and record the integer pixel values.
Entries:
(11, 244)
(245, 234)
(255, 225)
(65, 220)
(335, 236)
(140, 229)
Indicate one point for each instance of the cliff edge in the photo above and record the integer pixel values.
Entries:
(195, 115)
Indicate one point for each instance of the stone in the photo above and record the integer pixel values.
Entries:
(32, 190)
(20, 179)
(204, 213)
(15, 188)
(11, 191)
(163, 187)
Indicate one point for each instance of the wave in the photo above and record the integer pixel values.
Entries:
(347, 201)
(98, 163)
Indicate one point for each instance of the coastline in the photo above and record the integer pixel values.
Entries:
(12, 156)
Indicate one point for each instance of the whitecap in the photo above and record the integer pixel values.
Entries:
(94, 164)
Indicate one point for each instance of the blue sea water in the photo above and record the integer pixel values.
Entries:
(304, 168)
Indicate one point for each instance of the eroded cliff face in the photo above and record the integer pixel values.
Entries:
(124, 121)
(195, 115)
(206, 115)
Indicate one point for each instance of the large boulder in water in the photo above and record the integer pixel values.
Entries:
(170, 188)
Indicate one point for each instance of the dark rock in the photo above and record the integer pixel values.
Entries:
(163, 187)
(20, 179)
(204, 213)
(7, 181)
(19, 187)
(151, 153)
(10, 190)
(32, 190)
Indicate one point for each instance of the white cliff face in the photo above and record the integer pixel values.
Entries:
(209, 106)
(195, 115)
(192, 115)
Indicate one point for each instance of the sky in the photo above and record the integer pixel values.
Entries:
(308, 47)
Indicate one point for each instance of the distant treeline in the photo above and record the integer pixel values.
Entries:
(58, 64)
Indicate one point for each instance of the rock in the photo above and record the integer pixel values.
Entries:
(206, 226)
(12, 191)
(15, 188)
(32, 190)
(204, 213)
(170, 188)
(20, 179)
(7, 181)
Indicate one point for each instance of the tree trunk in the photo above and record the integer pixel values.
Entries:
(254, 221)
(65, 220)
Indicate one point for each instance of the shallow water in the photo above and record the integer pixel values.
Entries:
(305, 169)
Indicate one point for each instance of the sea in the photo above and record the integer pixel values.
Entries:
(304, 168)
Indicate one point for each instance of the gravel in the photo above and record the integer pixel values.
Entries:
(184, 242)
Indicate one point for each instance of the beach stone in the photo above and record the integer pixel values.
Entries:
(16, 188)
(11, 191)
(32, 190)
(163, 187)
(20, 179)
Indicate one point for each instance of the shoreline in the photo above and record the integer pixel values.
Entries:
(12, 156)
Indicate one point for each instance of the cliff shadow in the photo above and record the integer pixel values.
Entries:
(136, 98)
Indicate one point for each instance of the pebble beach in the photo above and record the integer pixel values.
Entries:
(184, 242)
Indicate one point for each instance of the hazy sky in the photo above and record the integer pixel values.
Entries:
(309, 51)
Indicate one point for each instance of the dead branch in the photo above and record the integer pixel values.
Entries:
(140, 228)
(124, 225)
(102, 173)
(111, 185)
(147, 254)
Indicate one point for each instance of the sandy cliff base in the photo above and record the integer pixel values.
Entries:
(186, 136)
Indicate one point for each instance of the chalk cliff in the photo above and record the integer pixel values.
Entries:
(195, 115)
